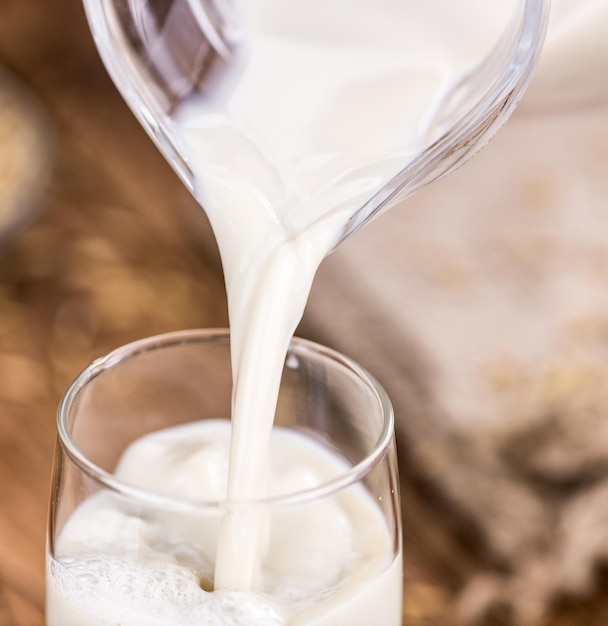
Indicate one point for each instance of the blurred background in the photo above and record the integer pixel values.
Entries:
(102, 245)
(480, 304)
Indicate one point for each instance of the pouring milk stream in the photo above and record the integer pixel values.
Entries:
(310, 119)
(310, 123)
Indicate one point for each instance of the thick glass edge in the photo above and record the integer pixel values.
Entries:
(297, 346)
(490, 111)
(475, 128)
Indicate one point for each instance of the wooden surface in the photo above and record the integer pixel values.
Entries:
(118, 252)
(121, 251)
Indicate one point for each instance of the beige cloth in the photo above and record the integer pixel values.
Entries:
(481, 303)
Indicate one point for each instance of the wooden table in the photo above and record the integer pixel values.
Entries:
(120, 251)
(116, 228)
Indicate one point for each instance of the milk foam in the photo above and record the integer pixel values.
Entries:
(108, 590)
(119, 562)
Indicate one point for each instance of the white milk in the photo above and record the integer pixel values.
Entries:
(322, 105)
(326, 563)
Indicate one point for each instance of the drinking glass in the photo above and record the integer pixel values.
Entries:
(162, 53)
(105, 531)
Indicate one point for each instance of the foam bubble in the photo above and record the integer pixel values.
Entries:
(106, 590)
(124, 564)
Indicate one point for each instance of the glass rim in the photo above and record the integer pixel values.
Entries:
(478, 123)
(297, 346)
